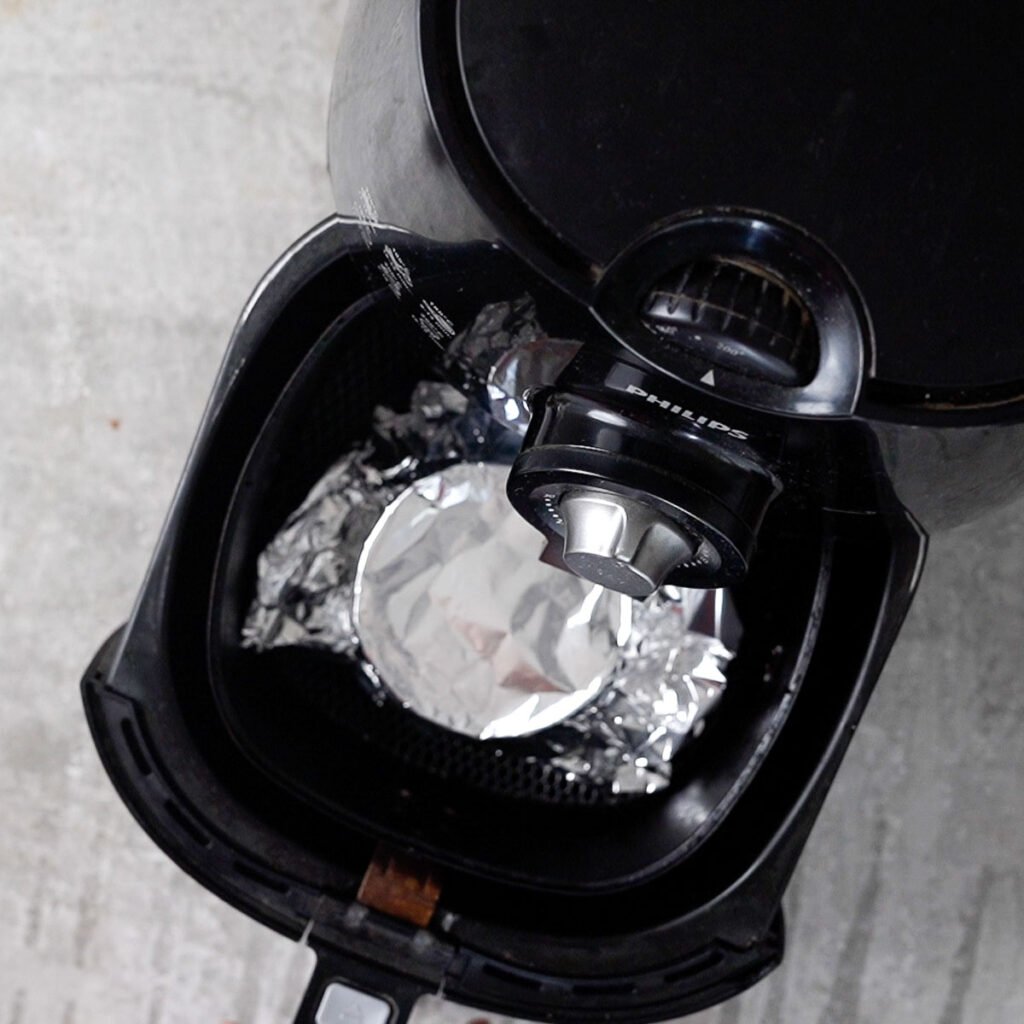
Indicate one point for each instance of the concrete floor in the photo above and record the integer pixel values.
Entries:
(154, 159)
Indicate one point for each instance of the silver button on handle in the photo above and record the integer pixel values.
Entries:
(620, 543)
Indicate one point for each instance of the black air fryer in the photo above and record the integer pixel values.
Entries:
(785, 242)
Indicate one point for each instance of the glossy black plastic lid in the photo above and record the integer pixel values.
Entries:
(885, 130)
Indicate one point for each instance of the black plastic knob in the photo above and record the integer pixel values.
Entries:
(685, 514)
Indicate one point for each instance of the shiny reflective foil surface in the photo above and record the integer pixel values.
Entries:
(465, 624)
(407, 559)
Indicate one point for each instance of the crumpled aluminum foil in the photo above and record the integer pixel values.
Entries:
(467, 626)
(305, 576)
(503, 356)
(669, 678)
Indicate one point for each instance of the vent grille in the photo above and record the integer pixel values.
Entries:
(738, 315)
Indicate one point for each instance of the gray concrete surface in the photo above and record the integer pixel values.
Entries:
(154, 159)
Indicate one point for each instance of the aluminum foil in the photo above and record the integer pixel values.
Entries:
(407, 558)
(305, 576)
(669, 678)
(504, 355)
(463, 622)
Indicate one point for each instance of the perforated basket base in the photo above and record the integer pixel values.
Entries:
(516, 768)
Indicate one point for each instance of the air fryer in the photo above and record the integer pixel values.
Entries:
(786, 245)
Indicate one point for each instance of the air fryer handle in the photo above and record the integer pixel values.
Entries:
(343, 991)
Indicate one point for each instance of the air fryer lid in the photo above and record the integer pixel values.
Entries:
(882, 129)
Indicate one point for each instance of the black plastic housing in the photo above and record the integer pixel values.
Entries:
(244, 773)
(851, 157)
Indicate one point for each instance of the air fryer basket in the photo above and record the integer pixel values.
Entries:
(305, 717)
(270, 780)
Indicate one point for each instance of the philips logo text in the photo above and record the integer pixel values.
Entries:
(687, 414)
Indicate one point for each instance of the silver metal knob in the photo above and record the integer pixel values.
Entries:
(622, 544)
